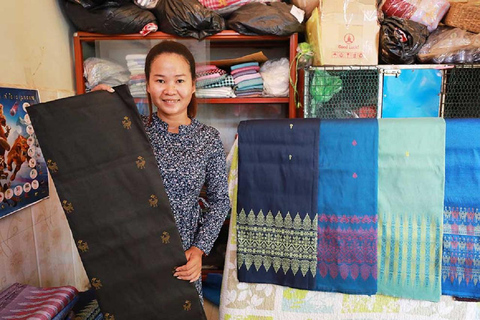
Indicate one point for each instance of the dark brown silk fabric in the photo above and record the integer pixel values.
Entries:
(112, 193)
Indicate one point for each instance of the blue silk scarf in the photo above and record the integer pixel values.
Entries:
(347, 206)
(461, 235)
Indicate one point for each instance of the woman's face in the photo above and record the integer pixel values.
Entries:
(170, 85)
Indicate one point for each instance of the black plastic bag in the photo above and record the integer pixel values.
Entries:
(110, 20)
(401, 39)
(91, 4)
(187, 18)
(259, 18)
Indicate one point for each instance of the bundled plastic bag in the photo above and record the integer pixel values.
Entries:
(451, 45)
(100, 71)
(225, 7)
(187, 18)
(272, 18)
(90, 4)
(125, 19)
(401, 39)
(426, 12)
(324, 86)
(275, 75)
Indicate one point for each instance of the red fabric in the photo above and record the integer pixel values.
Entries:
(22, 302)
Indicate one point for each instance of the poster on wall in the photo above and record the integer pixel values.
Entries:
(23, 171)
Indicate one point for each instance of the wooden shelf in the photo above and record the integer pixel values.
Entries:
(224, 39)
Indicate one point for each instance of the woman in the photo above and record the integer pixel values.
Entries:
(189, 154)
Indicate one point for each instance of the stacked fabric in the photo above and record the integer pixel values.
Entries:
(138, 83)
(213, 82)
(20, 301)
(248, 81)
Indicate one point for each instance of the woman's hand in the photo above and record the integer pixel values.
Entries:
(191, 271)
(102, 86)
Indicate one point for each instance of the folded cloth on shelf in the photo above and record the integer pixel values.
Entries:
(222, 92)
(249, 83)
(461, 233)
(247, 77)
(277, 202)
(115, 203)
(243, 73)
(204, 67)
(245, 65)
(347, 206)
(227, 82)
(20, 301)
(411, 180)
(199, 74)
(206, 82)
(255, 68)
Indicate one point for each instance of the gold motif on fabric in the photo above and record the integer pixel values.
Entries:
(82, 245)
(96, 283)
(67, 206)
(153, 201)
(165, 237)
(140, 162)
(52, 166)
(127, 123)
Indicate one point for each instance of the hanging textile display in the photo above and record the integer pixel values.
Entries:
(347, 206)
(112, 193)
(461, 233)
(277, 190)
(411, 179)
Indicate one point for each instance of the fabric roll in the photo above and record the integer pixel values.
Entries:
(461, 233)
(112, 194)
(411, 181)
(277, 202)
(347, 206)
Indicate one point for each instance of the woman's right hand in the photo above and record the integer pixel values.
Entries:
(102, 86)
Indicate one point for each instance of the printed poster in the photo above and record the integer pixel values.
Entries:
(23, 171)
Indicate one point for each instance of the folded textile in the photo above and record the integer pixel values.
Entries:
(243, 73)
(206, 82)
(247, 77)
(347, 206)
(204, 67)
(209, 76)
(277, 202)
(127, 237)
(244, 65)
(249, 83)
(411, 180)
(222, 92)
(255, 68)
(20, 301)
(461, 233)
(209, 72)
(227, 82)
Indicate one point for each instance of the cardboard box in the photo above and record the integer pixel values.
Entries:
(344, 32)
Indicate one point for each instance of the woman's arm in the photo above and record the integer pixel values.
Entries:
(217, 198)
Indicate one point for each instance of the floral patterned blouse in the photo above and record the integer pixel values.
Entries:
(187, 160)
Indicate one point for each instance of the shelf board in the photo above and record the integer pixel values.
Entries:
(258, 100)
(225, 35)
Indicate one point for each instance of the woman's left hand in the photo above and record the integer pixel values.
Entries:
(191, 271)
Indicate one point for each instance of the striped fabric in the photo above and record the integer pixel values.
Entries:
(411, 176)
